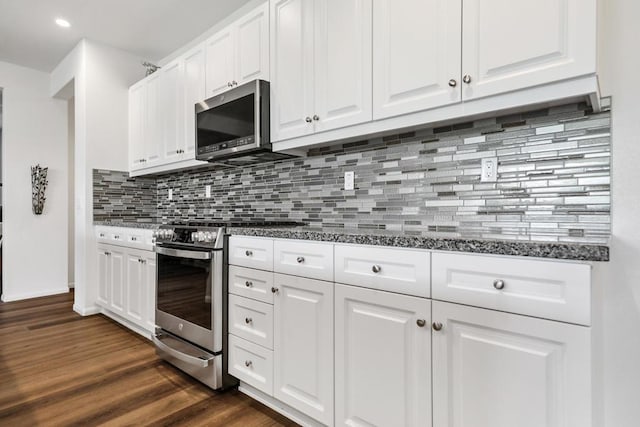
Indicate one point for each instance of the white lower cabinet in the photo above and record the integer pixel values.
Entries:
(303, 345)
(126, 284)
(383, 358)
(494, 369)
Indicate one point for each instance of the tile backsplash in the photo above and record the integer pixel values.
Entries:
(553, 182)
(116, 197)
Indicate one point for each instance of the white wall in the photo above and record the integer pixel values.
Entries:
(34, 131)
(620, 278)
(99, 77)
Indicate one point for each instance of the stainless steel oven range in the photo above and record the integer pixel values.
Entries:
(191, 301)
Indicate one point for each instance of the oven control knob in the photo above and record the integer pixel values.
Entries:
(208, 237)
(201, 237)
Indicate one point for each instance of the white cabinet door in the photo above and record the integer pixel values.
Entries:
(514, 44)
(154, 117)
(117, 281)
(149, 290)
(342, 63)
(252, 46)
(137, 125)
(383, 366)
(194, 92)
(171, 100)
(493, 369)
(416, 52)
(134, 299)
(303, 345)
(220, 58)
(291, 68)
(104, 271)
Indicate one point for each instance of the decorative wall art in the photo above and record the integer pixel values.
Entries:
(38, 186)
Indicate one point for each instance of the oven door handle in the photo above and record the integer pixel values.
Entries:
(182, 253)
(191, 360)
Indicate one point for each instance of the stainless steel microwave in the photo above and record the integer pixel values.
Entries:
(233, 127)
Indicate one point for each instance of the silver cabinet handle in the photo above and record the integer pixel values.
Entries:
(437, 326)
(308, 119)
(421, 323)
(300, 259)
(453, 83)
(248, 320)
(466, 78)
(248, 284)
(248, 253)
(376, 268)
(198, 359)
(498, 284)
(316, 117)
(248, 363)
(274, 290)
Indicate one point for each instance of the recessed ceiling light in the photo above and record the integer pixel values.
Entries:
(63, 23)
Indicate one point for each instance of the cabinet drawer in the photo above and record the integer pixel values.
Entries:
(397, 270)
(251, 363)
(250, 283)
(548, 289)
(251, 320)
(252, 252)
(303, 258)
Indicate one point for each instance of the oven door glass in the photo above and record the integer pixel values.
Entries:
(184, 289)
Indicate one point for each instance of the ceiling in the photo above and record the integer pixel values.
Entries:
(149, 28)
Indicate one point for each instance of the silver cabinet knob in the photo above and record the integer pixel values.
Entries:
(376, 268)
(466, 78)
(248, 363)
(248, 284)
(248, 320)
(274, 290)
(453, 83)
(248, 253)
(498, 284)
(437, 326)
(316, 117)
(308, 119)
(229, 84)
(421, 322)
(107, 253)
(235, 83)
(300, 259)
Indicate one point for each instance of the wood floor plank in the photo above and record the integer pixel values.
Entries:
(58, 368)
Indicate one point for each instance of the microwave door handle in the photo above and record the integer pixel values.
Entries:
(200, 255)
(192, 360)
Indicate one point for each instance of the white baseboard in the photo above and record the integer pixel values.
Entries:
(86, 311)
(72, 285)
(19, 297)
(124, 322)
(276, 405)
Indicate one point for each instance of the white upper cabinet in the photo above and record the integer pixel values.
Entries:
(219, 69)
(153, 141)
(194, 92)
(291, 68)
(320, 65)
(137, 128)
(342, 63)
(493, 369)
(239, 53)
(416, 55)
(252, 46)
(514, 44)
(171, 102)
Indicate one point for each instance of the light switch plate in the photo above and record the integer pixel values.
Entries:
(207, 191)
(170, 194)
(349, 180)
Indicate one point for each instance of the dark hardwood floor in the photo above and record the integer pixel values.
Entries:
(58, 368)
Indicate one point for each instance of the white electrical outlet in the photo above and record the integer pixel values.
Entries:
(489, 169)
(349, 180)
(207, 191)
(170, 194)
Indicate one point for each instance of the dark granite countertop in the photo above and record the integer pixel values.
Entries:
(145, 225)
(566, 251)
